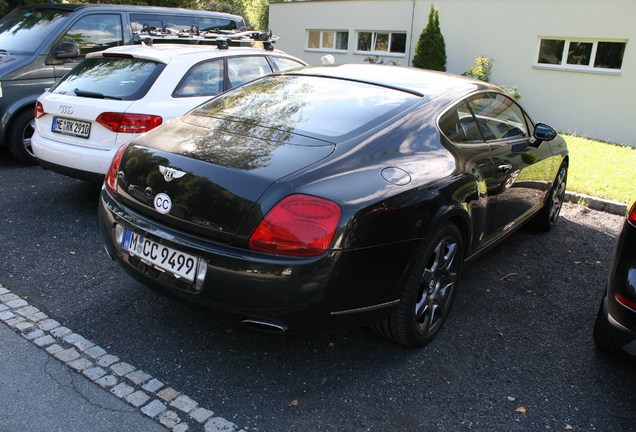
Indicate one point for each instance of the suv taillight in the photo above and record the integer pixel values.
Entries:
(631, 216)
(299, 225)
(111, 176)
(39, 110)
(128, 123)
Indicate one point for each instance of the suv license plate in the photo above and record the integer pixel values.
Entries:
(180, 264)
(71, 127)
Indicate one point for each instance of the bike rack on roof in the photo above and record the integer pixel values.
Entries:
(221, 38)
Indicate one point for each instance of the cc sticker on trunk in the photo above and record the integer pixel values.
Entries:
(163, 203)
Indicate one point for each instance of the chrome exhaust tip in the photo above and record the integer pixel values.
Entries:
(263, 325)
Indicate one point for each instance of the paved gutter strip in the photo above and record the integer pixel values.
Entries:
(153, 398)
(613, 207)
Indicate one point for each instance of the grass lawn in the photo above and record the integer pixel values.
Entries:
(603, 170)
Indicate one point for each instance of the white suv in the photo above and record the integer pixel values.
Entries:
(118, 94)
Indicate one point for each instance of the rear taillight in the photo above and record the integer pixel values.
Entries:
(299, 225)
(128, 123)
(625, 301)
(111, 176)
(39, 110)
(631, 216)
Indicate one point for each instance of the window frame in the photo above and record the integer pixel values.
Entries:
(321, 47)
(465, 101)
(374, 35)
(589, 68)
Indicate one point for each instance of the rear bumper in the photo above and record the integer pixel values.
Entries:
(72, 160)
(340, 289)
(622, 283)
(623, 334)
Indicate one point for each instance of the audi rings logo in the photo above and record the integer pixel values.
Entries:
(66, 109)
(163, 203)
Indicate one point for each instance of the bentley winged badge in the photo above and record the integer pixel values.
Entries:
(170, 174)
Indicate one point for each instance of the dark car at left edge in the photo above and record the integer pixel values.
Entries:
(332, 197)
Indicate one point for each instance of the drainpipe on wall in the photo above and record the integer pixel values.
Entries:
(408, 58)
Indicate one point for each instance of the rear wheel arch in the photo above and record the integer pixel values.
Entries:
(18, 132)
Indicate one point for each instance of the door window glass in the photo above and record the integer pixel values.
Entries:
(499, 117)
(96, 32)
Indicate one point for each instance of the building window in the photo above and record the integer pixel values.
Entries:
(381, 42)
(328, 40)
(581, 54)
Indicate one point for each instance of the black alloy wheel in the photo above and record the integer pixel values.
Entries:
(548, 216)
(429, 291)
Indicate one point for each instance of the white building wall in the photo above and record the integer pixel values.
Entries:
(591, 104)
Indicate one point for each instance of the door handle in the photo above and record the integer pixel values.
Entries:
(504, 168)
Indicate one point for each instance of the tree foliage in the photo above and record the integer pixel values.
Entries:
(430, 52)
(255, 12)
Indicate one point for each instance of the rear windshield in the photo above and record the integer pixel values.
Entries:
(23, 30)
(110, 78)
(324, 108)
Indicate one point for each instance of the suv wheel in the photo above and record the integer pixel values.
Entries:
(19, 136)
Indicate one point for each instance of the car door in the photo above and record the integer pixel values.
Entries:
(474, 158)
(522, 164)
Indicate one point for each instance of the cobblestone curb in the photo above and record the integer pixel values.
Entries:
(596, 203)
(152, 397)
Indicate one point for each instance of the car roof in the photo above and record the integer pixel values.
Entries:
(165, 53)
(413, 80)
(130, 8)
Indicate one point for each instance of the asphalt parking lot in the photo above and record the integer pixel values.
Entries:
(515, 355)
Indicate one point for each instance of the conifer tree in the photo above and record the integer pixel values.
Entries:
(430, 52)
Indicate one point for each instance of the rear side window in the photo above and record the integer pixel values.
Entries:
(110, 78)
(95, 32)
(149, 21)
(284, 64)
(206, 23)
(459, 125)
(23, 30)
(204, 79)
(244, 69)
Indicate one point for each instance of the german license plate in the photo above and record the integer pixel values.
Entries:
(165, 258)
(71, 127)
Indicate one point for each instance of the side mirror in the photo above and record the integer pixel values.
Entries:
(543, 132)
(68, 50)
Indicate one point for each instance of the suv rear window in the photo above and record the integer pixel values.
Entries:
(319, 107)
(120, 78)
(23, 30)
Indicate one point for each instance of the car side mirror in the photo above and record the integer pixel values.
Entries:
(68, 50)
(543, 132)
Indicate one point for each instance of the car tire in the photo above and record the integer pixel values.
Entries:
(19, 136)
(603, 336)
(429, 290)
(548, 216)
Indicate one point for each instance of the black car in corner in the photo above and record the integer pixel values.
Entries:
(615, 326)
(332, 197)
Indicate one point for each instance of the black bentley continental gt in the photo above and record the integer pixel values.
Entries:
(332, 197)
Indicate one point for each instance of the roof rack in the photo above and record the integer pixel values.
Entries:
(222, 38)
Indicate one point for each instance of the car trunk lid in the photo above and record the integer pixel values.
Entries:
(213, 171)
